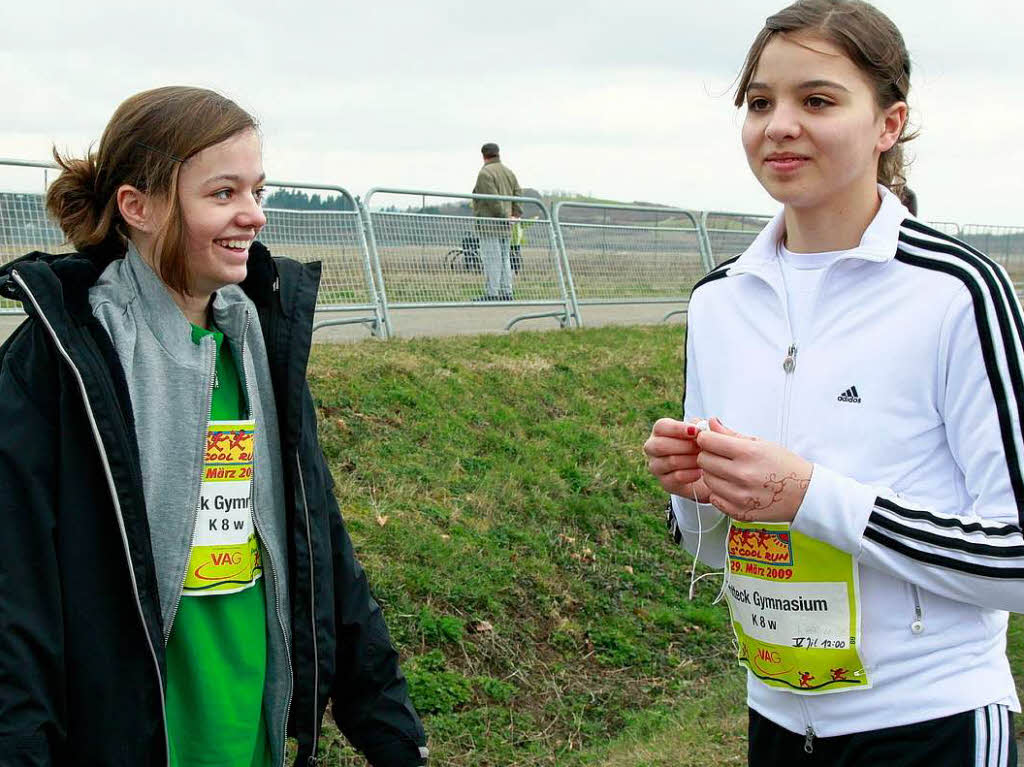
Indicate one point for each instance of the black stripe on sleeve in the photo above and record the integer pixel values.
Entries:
(962, 249)
(946, 542)
(999, 392)
(686, 356)
(1007, 573)
(988, 736)
(720, 271)
(950, 522)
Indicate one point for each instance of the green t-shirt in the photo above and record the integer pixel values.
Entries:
(217, 651)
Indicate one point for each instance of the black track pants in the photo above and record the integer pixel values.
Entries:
(979, 738)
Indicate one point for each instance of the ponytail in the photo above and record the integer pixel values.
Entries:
(76, 202)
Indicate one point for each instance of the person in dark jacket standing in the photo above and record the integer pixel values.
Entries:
(492, 222)
(178, 585)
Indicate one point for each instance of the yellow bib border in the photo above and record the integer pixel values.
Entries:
(794, 604)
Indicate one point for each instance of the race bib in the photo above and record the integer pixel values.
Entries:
(225, 555)
(794, 603)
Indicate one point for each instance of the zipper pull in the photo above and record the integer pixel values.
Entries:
(789, 364)
(917, 627)
(809, 740)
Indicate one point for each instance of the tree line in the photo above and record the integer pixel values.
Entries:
(296, 199)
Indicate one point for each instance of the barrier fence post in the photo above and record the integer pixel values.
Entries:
(375, 260)
(557, 231)
(565, 281)
(705, 244)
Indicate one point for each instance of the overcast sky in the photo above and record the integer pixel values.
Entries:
(624, 99)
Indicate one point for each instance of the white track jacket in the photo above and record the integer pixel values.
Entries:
(907, 396)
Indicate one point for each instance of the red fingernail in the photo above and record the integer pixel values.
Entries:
(691, 431)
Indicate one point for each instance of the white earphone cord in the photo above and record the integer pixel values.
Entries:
(694, 578)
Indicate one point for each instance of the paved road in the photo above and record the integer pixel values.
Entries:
(408, 323)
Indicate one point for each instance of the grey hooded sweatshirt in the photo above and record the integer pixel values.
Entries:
(170, 382)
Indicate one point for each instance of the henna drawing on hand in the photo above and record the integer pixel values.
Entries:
(778, 488)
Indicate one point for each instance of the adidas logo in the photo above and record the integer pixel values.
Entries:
(850, 395)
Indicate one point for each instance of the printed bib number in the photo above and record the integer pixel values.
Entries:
(794, 607)
(225, 556)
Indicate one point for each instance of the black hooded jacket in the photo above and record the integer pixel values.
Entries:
(82, 665)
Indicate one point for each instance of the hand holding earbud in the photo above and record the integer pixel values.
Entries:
(750, 479)
(672, 452)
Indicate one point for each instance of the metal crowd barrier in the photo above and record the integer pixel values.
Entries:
(1004, 244)
(729, 234)
(649, 255)
(437, 257)
(337, 238)
(433, 257)
(24, 225)
(946, 227)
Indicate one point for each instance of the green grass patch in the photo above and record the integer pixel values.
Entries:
(496, 492)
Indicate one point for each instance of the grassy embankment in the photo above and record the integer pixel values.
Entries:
(496, 492)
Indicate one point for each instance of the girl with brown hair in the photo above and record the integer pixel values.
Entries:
(178, 585)
(863, 502)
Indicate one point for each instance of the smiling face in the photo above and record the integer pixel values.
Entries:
(813, 132)
(220, 190)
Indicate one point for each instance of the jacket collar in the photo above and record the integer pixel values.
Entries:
(163, 316)
(878, 244)
(70, 276)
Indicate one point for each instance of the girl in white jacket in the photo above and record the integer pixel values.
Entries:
(864, 499)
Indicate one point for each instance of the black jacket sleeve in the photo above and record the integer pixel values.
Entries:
(32, 706)
(371, 703)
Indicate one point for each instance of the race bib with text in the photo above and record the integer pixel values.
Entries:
(225, 556)
(794, 607)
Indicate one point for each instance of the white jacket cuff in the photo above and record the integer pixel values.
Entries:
(702, 531)
(835, 510)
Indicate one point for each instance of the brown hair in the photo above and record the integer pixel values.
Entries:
(869, 39)
(145, 143)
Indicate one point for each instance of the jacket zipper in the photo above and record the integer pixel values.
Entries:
(312, 605)
(917, 626)
(789, 368)
(199, 492)
(789, 362)
(809, 734)
(270, 557)
(113, 494)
